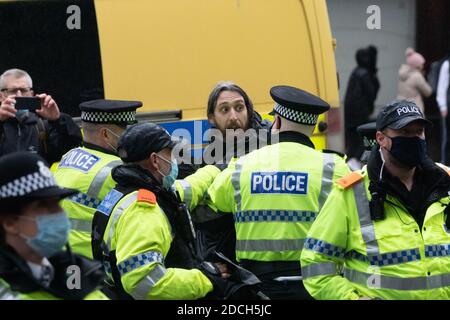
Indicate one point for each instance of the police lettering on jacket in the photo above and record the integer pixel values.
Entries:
(279, 182)
(79, 159)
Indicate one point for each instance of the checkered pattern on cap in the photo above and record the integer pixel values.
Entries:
(108, 117)
(27, 184)
(369, 142)
(296, 116)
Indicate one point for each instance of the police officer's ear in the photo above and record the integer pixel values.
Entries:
(104, 133)
(153, 162)
(382, 140)
(8, 224)
(276, 125)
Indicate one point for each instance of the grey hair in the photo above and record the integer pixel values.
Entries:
(229, 86)
(16, 74)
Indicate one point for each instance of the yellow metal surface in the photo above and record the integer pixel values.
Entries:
(171, 53)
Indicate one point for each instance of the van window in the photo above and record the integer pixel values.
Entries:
(63, 63)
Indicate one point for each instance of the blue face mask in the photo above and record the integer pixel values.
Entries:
(52, 233)
(169, 180)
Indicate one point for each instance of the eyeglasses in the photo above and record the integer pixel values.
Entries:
(12, 91)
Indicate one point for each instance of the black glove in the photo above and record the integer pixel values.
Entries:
(214, 275)
(242, 284)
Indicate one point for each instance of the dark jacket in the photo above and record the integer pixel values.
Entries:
(256, 123)
(50, 139)
(16, 272)
(430, 184)
(219, 234)
(362, 89)
(182, 253)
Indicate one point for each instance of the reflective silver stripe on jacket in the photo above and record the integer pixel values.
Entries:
(319, 269)
(187, 188)
(7, 294)
(236, 182)
(395, 283)
(270, 245)
(80, 225)
(97, 183)
(366, 223)
(148, 282)
(117, 212)
(327, 178)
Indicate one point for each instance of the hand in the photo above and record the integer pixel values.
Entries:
(7, 109)
(223, 268)
(49, 109)
(444, 113)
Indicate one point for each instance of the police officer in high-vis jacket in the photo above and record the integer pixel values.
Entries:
(88, 168)
(142, 230)
(276, 192)
(33, 232)
(384, 232)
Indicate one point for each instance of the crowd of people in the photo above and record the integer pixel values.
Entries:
(126, 219)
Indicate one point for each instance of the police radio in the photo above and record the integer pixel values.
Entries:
(376, 204)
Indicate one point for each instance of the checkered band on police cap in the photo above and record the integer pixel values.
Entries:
(108, 117)
(29, 183)
(369, 142)
(296, 116)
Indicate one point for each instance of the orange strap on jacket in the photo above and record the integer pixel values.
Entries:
(145, 195)
(349, 180)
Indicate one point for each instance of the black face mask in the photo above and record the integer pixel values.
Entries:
(409, 151)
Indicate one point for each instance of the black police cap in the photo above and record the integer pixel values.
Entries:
(141, 140)
(109, 111)
(25, 175)
(399, 114)
(297, 105)
(368, 132)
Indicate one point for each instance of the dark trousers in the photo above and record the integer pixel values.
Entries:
(285, 290)
(278, 290)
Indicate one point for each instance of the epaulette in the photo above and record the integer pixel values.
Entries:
(147, 196)
(340, 154)
(350, 179)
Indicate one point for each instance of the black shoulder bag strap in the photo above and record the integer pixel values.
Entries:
(99, 248)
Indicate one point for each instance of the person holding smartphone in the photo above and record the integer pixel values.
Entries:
(32, 122)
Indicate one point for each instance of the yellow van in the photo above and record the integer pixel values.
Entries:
(170, 54)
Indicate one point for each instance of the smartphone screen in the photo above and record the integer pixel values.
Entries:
(28, 103)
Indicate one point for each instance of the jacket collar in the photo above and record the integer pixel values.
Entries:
(435, 181)
(16, 272)
(133, 176)
(98, 148)
(297, 137)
